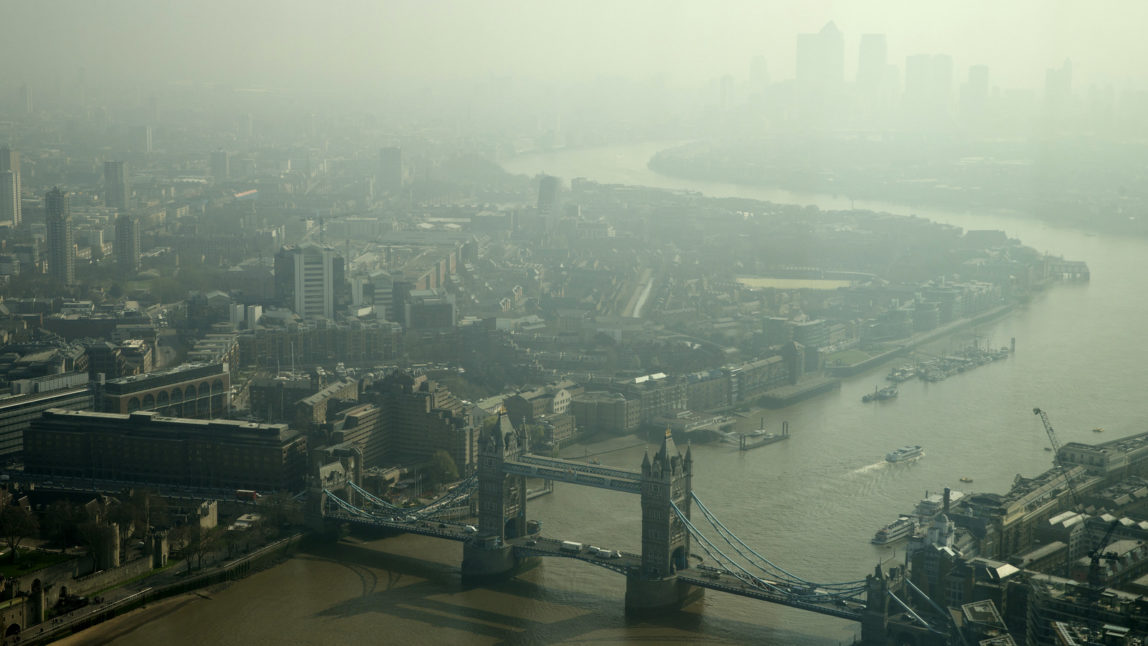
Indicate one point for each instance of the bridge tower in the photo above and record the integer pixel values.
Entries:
(501, 504)
(665, 539)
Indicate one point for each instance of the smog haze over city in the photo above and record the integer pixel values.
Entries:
(554, 322)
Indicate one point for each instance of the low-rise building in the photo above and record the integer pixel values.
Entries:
(198, 391)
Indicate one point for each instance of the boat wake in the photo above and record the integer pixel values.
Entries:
(869, 468)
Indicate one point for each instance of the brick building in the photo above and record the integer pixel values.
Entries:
(162, 451)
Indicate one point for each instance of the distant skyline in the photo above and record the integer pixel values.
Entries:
(336, 44)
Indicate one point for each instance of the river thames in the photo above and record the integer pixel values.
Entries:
(810, 504)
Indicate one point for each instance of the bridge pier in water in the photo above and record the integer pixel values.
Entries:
(667, 481)
(482, 563)
(501, 507)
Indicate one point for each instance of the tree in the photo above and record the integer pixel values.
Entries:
(536, 433)
(199, 542)
(61, 523)
(442, 468)
(17, 522)
(280, 510)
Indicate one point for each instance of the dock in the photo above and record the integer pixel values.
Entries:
(748, 442)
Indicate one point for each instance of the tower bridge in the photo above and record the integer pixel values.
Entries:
(661, 577)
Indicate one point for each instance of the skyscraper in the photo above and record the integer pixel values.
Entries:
(310, 280)
(548, 194)
(10, 197)
(142, 143)
(391, 169)
(127, 244)
(10, 186)
(9, 159)
(61, 249)
(821, 58)
(115, 185)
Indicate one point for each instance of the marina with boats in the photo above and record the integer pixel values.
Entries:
(942, 367)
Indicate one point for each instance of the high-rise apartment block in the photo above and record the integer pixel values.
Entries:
(61, 248)
(548, 194)
(10, 186)
(115, 185)
(310, 280)
(127, 243)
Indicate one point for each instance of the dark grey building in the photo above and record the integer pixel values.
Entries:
(17, 413)
(115, 185)
(61, 248)
(127, 243)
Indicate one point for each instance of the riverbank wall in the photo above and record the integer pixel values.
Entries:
(918, 340)
(258, 560)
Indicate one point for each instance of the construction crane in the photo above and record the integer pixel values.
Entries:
(1095, 584)
(1096, 554)
(1056, 455)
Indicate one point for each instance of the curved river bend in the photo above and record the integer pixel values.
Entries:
(811, 503)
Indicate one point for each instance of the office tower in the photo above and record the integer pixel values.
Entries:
(871, 63)
(9, 159)
(10, 197)
(310, 280)
(220, 165)
(26, 99)
(115, 185)
(391, 169)
(821, 58)
(548, 195)
(127, 244)
(61, 249)
(10, 186)
(142, 142)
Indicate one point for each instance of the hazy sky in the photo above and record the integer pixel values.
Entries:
(330, 42)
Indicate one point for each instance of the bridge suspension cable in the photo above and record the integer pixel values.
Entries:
(346, 506)
(796, 592)
(764, 564)
(462, 490)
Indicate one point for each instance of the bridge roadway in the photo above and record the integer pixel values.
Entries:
(533, 466)
(536, 545)
(435, 528)
(723, 581)
(541, 546)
